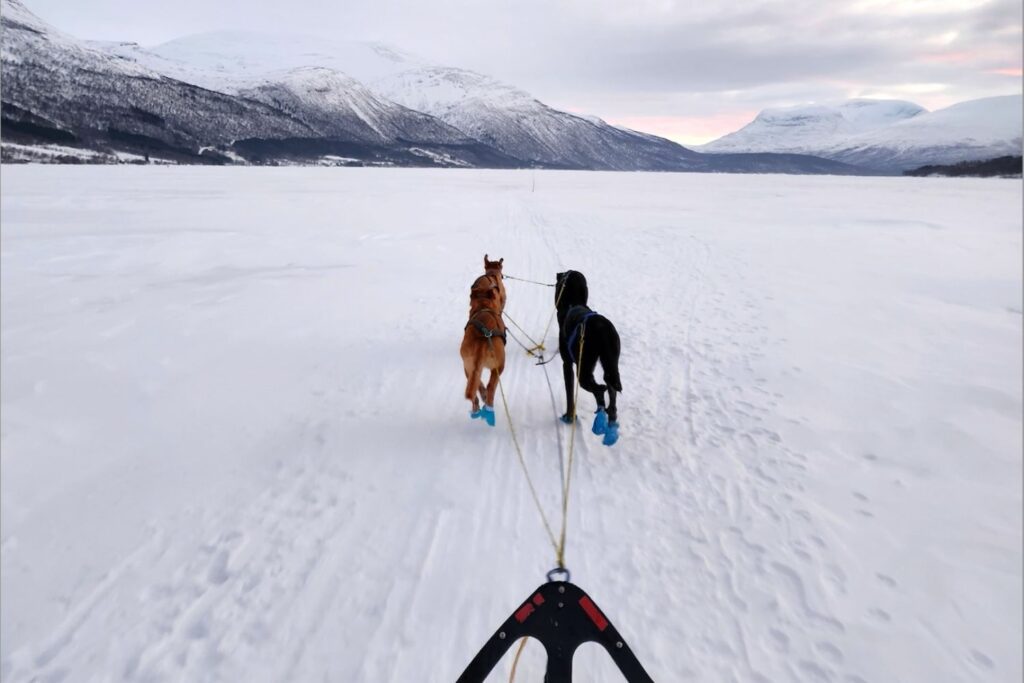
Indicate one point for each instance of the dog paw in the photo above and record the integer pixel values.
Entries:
(600, 422)
(487, 412)
(611, 434)
(566, 419)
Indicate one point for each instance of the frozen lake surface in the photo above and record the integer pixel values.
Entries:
(235, 447)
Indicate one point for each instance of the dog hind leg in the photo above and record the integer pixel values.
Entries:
(611, 432)
(474, 368)
(492, 383)
(569, 378)
(587, 381)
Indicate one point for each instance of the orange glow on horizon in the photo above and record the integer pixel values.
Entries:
(687, 130)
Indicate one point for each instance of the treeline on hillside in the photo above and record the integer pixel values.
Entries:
(1000, 166)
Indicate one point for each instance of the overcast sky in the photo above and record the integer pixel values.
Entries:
(686, 70)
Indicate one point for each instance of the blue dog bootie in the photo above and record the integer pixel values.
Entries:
(566, 419)
(600, 422)
(611, 434)
(476, 414)
(487, 412)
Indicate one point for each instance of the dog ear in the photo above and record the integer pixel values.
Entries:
(501, 260)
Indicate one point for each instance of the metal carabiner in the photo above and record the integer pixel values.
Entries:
(558, 570)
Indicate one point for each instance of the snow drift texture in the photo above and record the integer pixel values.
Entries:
(235, 447)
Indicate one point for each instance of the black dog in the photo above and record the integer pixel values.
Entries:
(600, 341)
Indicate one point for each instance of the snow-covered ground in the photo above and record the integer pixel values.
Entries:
(235, 448)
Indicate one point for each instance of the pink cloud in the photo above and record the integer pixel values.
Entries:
(962, 57)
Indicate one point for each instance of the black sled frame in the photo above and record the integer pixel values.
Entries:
(562, 617)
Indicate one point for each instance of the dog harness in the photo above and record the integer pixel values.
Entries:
(487, 332)
(576, 328)
(480, 292)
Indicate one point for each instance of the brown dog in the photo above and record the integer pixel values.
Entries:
(483, 347)
(492, 269)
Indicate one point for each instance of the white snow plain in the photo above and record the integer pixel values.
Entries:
(235, 447)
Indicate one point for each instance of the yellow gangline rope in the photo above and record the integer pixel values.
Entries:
(572, 442)
(536, 346)
(526, 470)
(558, 299)
(515, 660)
(523, 279)
(559, 546)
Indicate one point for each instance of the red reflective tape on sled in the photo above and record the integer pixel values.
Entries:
(523, 612)
(538, 599)
(595, 614)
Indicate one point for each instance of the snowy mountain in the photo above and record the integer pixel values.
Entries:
(340, 106)
(229, 61)
(343, 110)
(479, 106)
(518, 124)
(807, 129)
(884, 134)
(968, 131)
(57, 89)
(290, 73)
(269, 99)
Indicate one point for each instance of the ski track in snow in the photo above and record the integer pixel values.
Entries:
(235, 446)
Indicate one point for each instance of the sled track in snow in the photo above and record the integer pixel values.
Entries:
(662, 324)
(218, 477)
